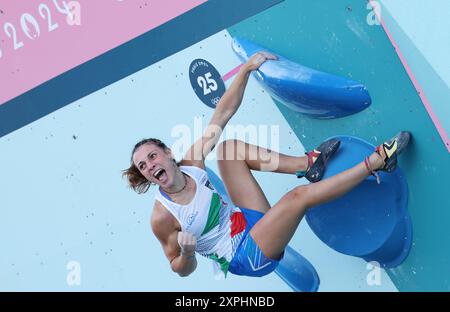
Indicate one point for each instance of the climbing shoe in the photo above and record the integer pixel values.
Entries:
(389, 151)
(317, 160)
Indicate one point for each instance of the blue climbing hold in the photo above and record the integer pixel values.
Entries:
(305, 90)
(371, 221)
(297, 272)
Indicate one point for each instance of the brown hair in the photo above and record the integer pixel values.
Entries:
(135, 178)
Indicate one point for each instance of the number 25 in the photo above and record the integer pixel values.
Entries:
(207, 84)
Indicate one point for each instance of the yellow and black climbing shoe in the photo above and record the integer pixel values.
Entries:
(391, 149)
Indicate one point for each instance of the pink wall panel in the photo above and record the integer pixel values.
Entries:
(40, 39)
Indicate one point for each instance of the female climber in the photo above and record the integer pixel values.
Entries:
(245, 236)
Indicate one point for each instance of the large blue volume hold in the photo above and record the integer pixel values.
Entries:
(305, 90)
(372, 220)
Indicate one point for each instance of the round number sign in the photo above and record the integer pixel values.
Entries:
(206, 82)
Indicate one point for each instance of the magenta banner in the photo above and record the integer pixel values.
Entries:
(40, 39)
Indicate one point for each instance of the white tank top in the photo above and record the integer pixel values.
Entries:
(207, 217)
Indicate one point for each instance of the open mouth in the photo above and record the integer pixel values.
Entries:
(159, 174)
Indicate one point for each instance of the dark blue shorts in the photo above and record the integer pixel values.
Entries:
(249, 259)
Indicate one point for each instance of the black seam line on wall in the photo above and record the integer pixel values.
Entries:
(173, 36)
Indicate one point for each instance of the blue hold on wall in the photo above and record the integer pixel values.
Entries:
(371, 221)
(311, 92)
